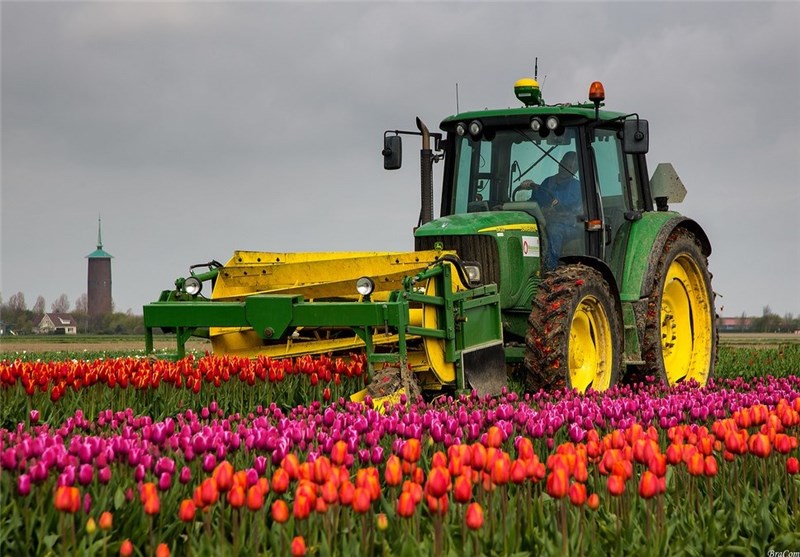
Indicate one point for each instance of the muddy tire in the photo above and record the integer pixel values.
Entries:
(574, 339)
(680, 337)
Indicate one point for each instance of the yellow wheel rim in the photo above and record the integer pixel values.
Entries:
(686, 327)
(590, 348)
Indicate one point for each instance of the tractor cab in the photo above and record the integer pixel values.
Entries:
(571, 168)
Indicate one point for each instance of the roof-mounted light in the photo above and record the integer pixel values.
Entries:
(475, 128)
(461, 129)
(528, 92)
(552, 123)
(597, 92)
(536, 123)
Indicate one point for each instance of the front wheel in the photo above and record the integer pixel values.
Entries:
(680, 340)
(575, 335)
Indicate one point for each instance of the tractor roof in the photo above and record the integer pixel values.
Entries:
(521, 116)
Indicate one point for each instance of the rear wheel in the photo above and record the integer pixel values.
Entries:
(680, 340)
(574, 335)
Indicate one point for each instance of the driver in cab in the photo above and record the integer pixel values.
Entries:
(560, 198)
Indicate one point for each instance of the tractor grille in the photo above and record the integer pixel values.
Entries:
(482, 249)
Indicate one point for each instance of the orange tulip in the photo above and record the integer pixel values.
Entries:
(209, 494)
(462, 491)
(495, 437)
(414, 489)
(558, 483)
(106, 521)
(616, 485)
(280, 511)
(346, 492)
(223, 473)
(438, 482)
(406, 505)
(236, 497)
(291, 464)
(710, 466)
(501, 471)
(152, 505)
(648, 485)
(361, 500)
(298, 546)
(67, 499)
(593, 502)
(577, 494)
(437, 505)
(329, 492)
(411, 450)
(303, 505)
(339, 453)
(474, 516)
(162, 550)
(696, 464)
(187, 510)
(759, 445)
(393, 474)
(146, 491)
(280, 480)
(518, 472)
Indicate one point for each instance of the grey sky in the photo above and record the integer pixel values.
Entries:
(198, 129)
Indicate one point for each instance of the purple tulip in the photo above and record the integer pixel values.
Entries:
(24, 485)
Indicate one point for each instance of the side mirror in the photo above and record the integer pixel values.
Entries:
(392, 152)
(635, 137)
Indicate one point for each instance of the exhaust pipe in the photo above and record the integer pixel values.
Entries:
(426, 178)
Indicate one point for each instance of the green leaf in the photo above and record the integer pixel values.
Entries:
(119, 498)
(50, 540)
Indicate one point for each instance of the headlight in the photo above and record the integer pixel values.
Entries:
(475, 128)
(461, 129)
(365, 286)
(536, 123)
(473, 271)
(192, 286)
(552, 123)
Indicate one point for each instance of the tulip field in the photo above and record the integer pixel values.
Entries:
(128, 455)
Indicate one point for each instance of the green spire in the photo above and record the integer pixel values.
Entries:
(99, 253)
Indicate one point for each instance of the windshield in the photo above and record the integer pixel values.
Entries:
(488, 173)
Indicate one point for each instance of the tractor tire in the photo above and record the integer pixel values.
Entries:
(680, 336)
(574, 340)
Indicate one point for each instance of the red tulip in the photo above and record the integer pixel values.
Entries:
(648, 485)
(710, 466)
(616, 485)
(462, 491)
(126, 549)
(298, 546)
(438, 482)
(792, 465)
(474, 516)
(577, 494)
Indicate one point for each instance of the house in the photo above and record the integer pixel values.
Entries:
(734, 324)
(6, 329)
(58, 323)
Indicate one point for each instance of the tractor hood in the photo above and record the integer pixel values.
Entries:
(476, 223)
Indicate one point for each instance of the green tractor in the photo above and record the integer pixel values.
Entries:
(555, 253)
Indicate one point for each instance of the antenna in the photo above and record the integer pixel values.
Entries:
(457, 110)
(536, 68)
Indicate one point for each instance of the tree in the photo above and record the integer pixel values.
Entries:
(82, 304)
(38, 307)
(61, 305)
(16, 302)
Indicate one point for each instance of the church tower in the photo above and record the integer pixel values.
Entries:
(98, 292)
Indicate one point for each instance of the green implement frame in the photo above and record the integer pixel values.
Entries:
(467, 320)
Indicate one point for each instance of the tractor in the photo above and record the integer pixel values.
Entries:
(555, 254)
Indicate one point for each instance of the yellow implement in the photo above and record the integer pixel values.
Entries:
(317, 276)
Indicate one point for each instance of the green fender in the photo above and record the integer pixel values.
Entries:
(646, 239)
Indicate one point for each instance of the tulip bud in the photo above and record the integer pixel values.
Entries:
(382, 521)
(162, 550)
(106, 521)
(91, 526)
(792, 466)
(280, 511)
